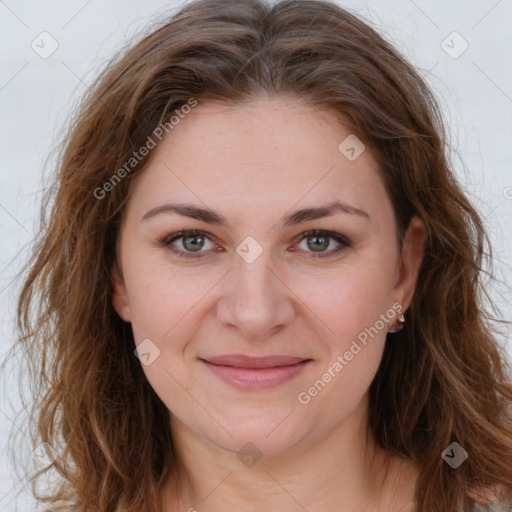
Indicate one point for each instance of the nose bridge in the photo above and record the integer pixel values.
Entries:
(256, 301)
(253, 279)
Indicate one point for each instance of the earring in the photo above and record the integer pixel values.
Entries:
(401, 319)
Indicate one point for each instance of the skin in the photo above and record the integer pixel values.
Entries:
(254, 163)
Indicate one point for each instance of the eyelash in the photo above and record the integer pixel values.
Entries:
(342, 240)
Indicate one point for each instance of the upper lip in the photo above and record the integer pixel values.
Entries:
(243, 361)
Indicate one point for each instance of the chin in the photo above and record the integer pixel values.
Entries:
(263, 435)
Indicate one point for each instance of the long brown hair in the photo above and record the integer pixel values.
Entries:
(442, 379)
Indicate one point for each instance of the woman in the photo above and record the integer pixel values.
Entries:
(259, 284)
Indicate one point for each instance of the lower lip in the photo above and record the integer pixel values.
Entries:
(256, 378)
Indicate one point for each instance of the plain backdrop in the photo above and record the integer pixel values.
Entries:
(462, 48)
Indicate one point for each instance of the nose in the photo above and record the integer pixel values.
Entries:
(256, 300)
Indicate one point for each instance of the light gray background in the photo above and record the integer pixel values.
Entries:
(36, 95)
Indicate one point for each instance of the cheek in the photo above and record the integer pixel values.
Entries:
(352, 304)
(164, 311)
(162, 296)
(350, 300)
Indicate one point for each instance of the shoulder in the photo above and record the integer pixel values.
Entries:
(489, 500)
(487, 495)
(496, 506)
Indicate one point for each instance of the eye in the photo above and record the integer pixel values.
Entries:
(319, 241)
(192, 241)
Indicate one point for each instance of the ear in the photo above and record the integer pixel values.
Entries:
(119, 295)
(410, 262)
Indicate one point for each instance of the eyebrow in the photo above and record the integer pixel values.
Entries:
(211, 217)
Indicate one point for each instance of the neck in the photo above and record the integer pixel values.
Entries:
(345, 470)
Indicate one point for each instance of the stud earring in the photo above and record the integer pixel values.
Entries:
(401, 319)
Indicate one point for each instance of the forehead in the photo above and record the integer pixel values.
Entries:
(263, 154)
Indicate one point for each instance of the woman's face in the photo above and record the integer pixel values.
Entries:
(252, 331)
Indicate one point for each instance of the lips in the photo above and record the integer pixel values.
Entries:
(249, 372)
(242, 361)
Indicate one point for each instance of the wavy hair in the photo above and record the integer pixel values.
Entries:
(444, 378)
